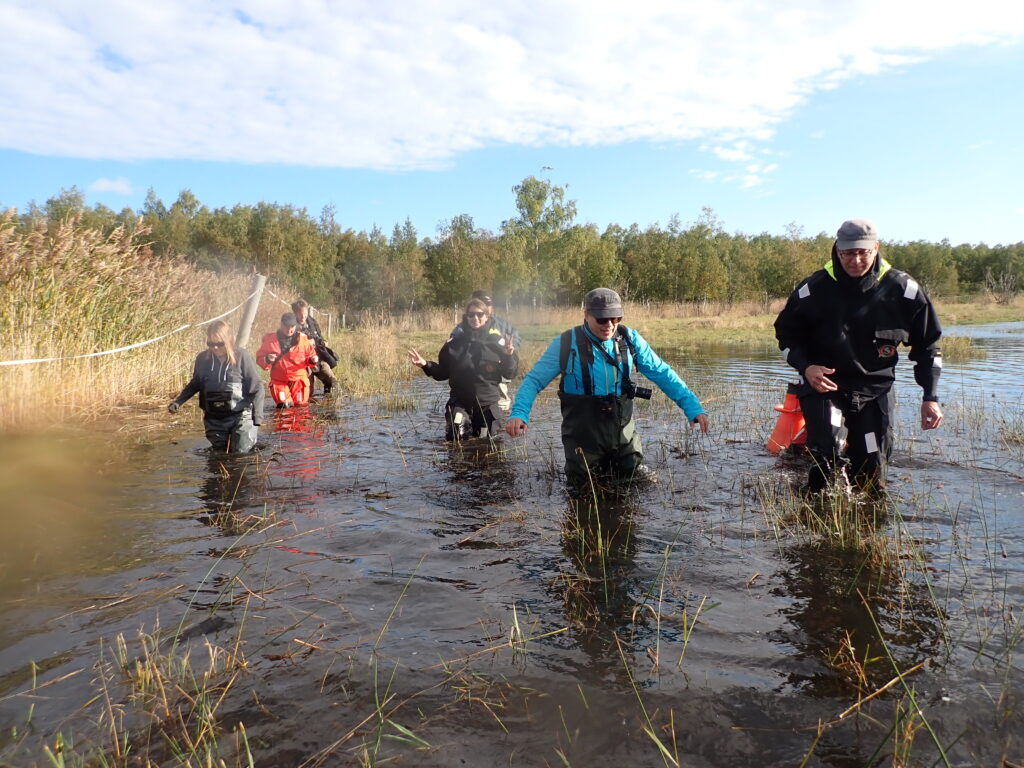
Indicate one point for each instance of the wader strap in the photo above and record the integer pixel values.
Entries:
(586, 356)
(563, 358)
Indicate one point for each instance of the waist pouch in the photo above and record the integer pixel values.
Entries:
(220, 403)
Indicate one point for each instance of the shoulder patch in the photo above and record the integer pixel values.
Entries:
(910, 292)
(804, 291)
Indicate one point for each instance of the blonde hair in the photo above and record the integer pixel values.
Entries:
(221, 331)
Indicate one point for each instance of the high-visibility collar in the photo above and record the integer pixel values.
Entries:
(830, 268)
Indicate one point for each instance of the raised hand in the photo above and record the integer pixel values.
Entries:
(416, 358)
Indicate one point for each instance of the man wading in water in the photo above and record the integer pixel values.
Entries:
(595, 361)
(840, 330)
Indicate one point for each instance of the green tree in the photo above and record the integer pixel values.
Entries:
(544, 214)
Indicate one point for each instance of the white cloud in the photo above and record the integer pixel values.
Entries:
(119, 186)
(406, 85)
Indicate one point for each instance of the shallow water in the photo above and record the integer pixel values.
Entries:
(503, 625)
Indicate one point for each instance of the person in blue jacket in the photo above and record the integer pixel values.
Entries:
(596, 361)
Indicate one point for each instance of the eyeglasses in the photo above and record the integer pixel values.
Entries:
(476, 314)
(215, 344)
(853, 253)
(607, 320)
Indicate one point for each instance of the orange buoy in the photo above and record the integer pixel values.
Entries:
(789, 428)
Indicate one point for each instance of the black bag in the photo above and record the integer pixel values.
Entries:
(327, 355)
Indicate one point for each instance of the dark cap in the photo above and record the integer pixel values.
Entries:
(602, 303)
(288, 319)
(856, 233)
(484, 296)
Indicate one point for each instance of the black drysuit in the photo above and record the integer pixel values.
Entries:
(855, 326)
(473, 361)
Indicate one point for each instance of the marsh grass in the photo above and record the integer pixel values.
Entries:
(959, 349)
(73, 291)
(158, 703)
(836, 519)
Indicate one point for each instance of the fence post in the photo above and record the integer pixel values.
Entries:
(330, 324)
(249, 316)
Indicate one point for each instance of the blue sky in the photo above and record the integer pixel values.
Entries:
(769, 114)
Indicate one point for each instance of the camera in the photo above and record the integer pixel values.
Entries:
(644, 393)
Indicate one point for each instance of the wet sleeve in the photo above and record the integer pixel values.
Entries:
(509, 365)
(194, 384)
(538, 377)
(789, 330)
(925, 333)
(252, 385)
(441, 370)
(657, 370)
(261, 354)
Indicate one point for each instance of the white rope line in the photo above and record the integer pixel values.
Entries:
(130, 346)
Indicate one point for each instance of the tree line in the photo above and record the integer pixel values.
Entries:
(541, 254)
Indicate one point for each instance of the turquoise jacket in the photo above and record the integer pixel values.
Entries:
(606, 377)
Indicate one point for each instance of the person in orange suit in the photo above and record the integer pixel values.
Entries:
(287, 353)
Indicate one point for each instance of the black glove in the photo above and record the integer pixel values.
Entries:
(173, 407)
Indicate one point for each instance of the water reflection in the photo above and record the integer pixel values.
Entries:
(233, 485)
(839, 596)
(597, 590)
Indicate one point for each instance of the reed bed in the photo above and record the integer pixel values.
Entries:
(74, 291)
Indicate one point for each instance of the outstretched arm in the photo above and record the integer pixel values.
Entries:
(657, 370)
(543, 373)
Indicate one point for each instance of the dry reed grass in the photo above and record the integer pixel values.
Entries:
(74, 291)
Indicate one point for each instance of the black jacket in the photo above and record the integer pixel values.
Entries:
(855, 325)
(312, 329)
(474, 362)
(225, 389)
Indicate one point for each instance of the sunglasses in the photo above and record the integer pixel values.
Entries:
(476, 314)
(608, 320)
(215, 344)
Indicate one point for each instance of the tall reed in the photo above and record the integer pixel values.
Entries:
(73, 291)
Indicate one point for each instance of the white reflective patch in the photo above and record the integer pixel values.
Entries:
(804, 292)
(871, 442)
(937, 361)
(837, 417)
(911, 292)
(785, 354)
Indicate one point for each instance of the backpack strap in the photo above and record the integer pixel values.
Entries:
(583, 352)
(623, 332)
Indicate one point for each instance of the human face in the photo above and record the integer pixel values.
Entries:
(602, 329)
(217, 347)
(302, 314)
(288, 330)
(857, 262)
(477, 318)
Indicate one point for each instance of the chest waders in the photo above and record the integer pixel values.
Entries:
(229, 427)
(598, 431)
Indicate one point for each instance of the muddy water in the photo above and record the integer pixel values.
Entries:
(501, 624)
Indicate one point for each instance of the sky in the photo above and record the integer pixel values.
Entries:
(771, 114)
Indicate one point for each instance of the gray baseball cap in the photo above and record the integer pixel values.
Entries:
(856, 233)
(602, 303)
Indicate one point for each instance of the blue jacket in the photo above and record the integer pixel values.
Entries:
(606, 378)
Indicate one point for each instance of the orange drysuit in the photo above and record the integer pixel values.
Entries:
(289, 380)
